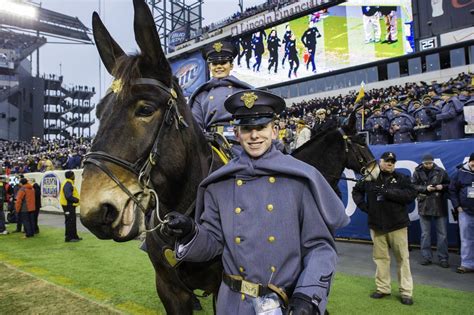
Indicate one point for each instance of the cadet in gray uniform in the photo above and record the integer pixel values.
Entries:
(207, 102)
(425, 120)
(377, 125)
(401, 126)
(270, 216)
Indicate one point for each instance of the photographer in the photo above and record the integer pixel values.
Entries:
(385, 200)
(431, 182)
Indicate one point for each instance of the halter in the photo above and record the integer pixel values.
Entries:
(366, 163)
(143, 166)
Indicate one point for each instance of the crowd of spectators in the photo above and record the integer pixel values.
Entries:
(19, 157)
(395, 114)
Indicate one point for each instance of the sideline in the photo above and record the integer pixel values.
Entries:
(355, 258)
(62, 289)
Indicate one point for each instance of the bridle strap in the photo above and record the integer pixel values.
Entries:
(109, 173)
(142, 167)
(347, 144)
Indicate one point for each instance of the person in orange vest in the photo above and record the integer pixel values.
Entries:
(69, 199)
(25, 206)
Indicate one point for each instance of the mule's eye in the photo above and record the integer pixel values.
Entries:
(145, 111)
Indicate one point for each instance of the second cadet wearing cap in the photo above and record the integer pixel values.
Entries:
(254, 107)
(207, 101)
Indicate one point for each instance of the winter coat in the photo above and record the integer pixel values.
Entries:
(452, 119)
(426, 124)
(431, 203)
(207, 102)
(27, 193)
(394, 192)
(277, 226)
(406, 123)
(378, 135)
(461, 190)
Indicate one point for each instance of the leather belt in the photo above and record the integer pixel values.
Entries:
(238, 284)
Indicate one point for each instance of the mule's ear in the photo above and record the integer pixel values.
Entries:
(148, 39)
(108, 48)
(350, 125)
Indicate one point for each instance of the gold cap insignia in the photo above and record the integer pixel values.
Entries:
(217, 46)
(390, 155)
(249, 99)
(116, 86)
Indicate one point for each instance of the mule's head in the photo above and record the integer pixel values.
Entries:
(135, 110)
(359, 156)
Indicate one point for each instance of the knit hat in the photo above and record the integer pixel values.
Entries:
(427, 158)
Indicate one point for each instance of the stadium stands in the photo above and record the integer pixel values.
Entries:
(18, 157)
(23, 45)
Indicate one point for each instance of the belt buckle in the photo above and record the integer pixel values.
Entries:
(249, 288)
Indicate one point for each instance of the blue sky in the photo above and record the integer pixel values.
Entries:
(79, 64)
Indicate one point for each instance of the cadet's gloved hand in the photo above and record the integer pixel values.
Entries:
(301, 304)
(180, 226)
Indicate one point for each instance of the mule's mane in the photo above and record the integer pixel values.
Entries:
(320, 137)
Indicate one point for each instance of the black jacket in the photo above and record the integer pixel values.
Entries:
(395, 193)
(431, 203)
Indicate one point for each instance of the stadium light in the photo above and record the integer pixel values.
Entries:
(19, 9)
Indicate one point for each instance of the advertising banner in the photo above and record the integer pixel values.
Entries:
(346, 35)
(50, 186)
(448, 155)
(190, 71)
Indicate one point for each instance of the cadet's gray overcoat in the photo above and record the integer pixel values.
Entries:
(273, 221)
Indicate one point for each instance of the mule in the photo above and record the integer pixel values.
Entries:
(149, 156)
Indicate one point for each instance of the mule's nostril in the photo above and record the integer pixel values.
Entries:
(110, 213)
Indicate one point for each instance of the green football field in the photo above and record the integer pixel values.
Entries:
(45, 275)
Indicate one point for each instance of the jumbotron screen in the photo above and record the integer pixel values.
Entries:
(349, 34)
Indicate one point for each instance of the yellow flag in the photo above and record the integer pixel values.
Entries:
(361, 94)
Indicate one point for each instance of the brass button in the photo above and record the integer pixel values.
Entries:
(238, 210)
(273, 268)
(229, 86)
(211, 97)
(271, 179)
(271, 239)
(270, 207)
(240, 182)
(237, 240)
(241, 269)
(243, 297)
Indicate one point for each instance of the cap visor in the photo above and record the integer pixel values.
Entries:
(253, 121)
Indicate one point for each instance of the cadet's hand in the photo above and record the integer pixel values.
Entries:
(301, 304)
(180, 226)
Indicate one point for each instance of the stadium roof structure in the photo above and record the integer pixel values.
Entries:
(49, 23)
